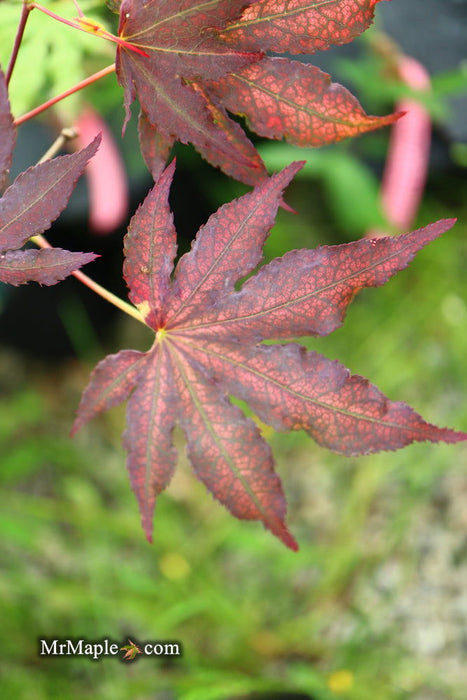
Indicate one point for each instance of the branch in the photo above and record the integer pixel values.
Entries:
(42, 242)
(18, 39)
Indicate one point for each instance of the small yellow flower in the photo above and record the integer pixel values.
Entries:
(341, 681)
(174, 566)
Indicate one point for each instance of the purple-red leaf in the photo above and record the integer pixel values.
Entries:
(47, 266)
(150, 249)
(112, 381)
(203, 58)
(306, 292)
(292, 389)
(27, 208)
(39, 195)
(283, 99)
(7, 133)
(180, 40)
(298, 26)
(207, 347)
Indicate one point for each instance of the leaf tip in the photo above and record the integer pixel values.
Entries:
(392, 118)
(170, 169)
(147, 515)
(93, 145)
(451, 436)
(295, 167)
(281, 531)
(291, 543)
(77, 424)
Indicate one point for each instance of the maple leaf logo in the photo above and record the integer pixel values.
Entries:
(208, 346)
(31, 204)
(131, 650)
(204, 57)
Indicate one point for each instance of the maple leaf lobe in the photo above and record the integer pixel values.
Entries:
(307, 292)
(39, 195)
(299, 26)
(151, 418)
(112, 381)
(284, 99)
(46, 267)
(149, 257)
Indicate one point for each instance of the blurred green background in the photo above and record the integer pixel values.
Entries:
(373, 606)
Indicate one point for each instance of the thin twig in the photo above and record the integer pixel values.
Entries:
(18, 39)
(42, 242)
(91, 27)
(79, 86)
(66, 134)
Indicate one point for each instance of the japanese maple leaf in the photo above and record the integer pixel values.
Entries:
(207, 346)
(131, 650)
(208, 56)
(31, 204)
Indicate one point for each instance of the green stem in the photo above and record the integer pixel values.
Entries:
(79, 86)
(42, 242)
(18, 39)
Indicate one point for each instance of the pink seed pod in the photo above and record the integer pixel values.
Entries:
(107, 181)
(409, 151)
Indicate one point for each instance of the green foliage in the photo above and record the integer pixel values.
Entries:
(352, 189)
(52, 58)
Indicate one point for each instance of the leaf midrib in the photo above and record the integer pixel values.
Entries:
(189, 10)
(297, 300)
(41, 196)
(210, 429)
(216, 261)
(323, 116)
(302, 397)
(240, 24)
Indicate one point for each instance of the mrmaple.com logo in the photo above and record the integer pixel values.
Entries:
(105, 647)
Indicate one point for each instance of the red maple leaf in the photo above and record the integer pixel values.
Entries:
(31, 204)
(208, 346)
(208, 56)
